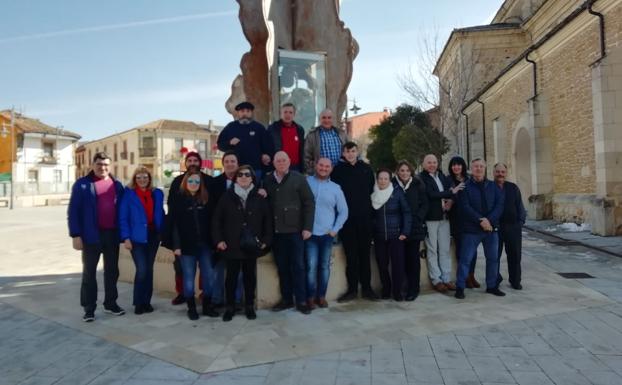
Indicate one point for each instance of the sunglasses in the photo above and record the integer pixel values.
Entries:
(246, 174)
(194, 181)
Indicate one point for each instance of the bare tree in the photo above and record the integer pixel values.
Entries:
(449, 90)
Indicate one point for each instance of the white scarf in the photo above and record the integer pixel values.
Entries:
(242, 192)
(404, 186)
(380, 197)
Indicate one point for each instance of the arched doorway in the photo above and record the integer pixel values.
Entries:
(522, 164)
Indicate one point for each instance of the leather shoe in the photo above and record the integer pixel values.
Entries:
(347, 297)
(495, 291)
(178, 300)
(440, 287)
(450, 286)
(410, 297)
(459, 293)
(250, 313)
(398, 298)
(303, 308)
(282, 306)
(228, 316)
(370, 295)
(322, 303)
(517, 286)
(311, 303)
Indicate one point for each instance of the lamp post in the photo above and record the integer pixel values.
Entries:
(355, 109)
(4, 133)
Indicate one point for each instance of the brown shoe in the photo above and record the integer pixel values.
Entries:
(311, 303)
(469, 282)
(450, 286)
(440, 287)
(474, 281)
(322, 303)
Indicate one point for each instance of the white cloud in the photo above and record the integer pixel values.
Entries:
(111, 27)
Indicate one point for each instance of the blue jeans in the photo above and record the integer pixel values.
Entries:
(318, 250)
(144, 255)
(468, 250)
(288, 251)
(210, 281)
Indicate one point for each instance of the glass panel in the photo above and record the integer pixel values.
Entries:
(302, 81)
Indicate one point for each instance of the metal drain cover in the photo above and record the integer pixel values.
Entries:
(576, 275)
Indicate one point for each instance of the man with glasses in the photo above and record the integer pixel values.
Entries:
(324, 141)
(93, 226)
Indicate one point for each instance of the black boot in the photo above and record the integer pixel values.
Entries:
(192, 309)
(208, 308)
(250, 312)
(229, 313)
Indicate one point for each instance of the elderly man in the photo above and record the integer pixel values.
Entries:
(288, 136)
(331, 212)
(248, 138)
(293, 207)
(324, 141)
(440, 199)
(93, 227)
(481, 205)
(510, 225)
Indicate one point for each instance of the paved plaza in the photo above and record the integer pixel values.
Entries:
(556, 331)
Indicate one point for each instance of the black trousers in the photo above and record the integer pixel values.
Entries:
(356, 239)
(108, 245)
(390, 252)
(249, 275)
(413, 266)
(511, 236)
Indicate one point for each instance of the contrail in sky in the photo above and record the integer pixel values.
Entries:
(110, 27)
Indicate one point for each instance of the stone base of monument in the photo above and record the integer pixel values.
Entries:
(267, 278)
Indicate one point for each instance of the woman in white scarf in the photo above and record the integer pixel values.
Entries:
(392, 224)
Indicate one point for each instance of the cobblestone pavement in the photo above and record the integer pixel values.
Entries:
(574, 347)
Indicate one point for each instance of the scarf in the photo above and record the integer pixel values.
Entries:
(404, 186)
(242, 192)
(380, 197)
(145, 197)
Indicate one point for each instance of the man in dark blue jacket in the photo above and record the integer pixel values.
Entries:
(510, 225)
(481, 206)
(248, 138)
(93, 226)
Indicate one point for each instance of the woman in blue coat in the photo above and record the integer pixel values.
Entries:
(140, 221)
(392, 226)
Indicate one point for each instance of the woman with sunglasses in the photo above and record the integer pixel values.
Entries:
(242, 215)
(141, 213)
(190, 220)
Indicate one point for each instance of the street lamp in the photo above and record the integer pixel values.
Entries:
(4, 133)
(355, 109)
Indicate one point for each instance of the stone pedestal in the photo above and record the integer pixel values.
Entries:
(267, 278)
(605, 217)
(539, 207)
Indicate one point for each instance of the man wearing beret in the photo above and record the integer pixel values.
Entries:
(247, 138)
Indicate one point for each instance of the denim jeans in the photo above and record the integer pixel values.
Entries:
(318, 250)
(144, 255)
(108, 245)
(211, 286)
(468, 249)
(288, 251)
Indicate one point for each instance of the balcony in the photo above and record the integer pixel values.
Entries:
(147, 152)
(48, 159)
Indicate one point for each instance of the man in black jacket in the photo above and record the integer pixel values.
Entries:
(288, 136)
(510, 225)
(356, 179)
(440, 199)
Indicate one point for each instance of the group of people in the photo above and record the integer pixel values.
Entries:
(264, 201)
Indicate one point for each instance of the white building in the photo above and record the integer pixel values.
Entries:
(40, 161)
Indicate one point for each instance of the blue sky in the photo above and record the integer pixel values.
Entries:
(99, 67)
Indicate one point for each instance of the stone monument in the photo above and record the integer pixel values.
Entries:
(300, 52)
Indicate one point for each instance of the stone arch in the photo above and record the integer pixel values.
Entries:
(523, 162)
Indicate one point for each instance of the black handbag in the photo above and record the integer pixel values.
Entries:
(249, 242)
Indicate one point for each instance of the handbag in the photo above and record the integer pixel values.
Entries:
(249, 242)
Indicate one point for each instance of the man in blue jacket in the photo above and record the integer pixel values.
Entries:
(481, 206)
(248, 138)
(93, 226)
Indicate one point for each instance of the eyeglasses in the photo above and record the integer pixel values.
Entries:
(246, 174)
(194, 181)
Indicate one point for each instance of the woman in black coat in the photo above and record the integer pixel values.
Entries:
(239, 212)
(457, 172)
(392, 220)
(414, 189)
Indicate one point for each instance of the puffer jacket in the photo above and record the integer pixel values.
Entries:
(394, 218)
